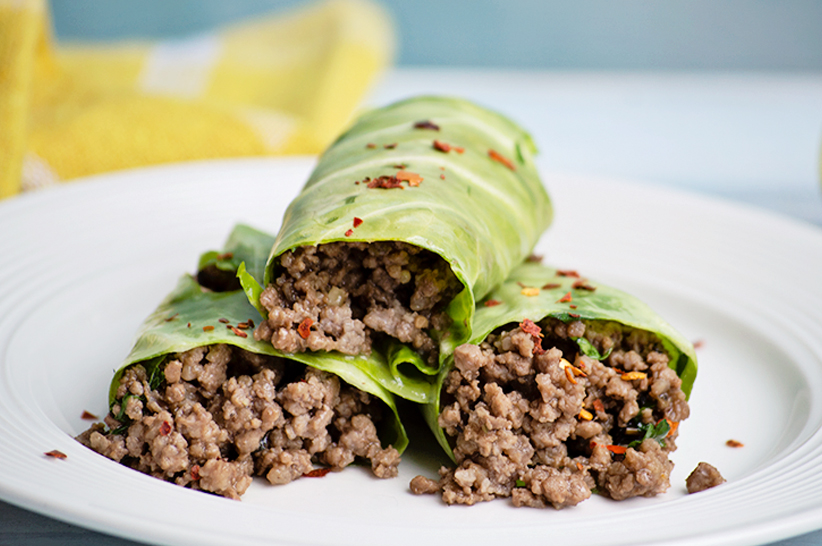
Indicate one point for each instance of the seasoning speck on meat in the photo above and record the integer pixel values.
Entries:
(220, 415)
(349, 294)
(530, 425)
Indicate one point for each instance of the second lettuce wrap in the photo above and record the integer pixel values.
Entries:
(200, 402)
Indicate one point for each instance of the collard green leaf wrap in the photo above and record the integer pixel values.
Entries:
(481, 215)
(604, 303)
(166, 331)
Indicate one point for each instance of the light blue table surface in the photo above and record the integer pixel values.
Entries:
(750, 138)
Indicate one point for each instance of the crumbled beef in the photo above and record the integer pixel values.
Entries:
(703, 477)
(548, 427)
(354, 292)
(220, 415)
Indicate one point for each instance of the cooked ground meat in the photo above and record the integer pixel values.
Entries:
(213, 417)
(545, 425)
(340, 296)
(703, 477)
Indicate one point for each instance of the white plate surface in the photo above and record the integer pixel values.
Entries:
(81, 265)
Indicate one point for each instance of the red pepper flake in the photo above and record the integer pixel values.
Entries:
(598, 406)
(674, 425)
(534, 258)
(172, 317)
(573, 315)
(304, 329)
(413, 179)
(385, 182)
(357, 222)
(565, 299)
(223, 320)
(572, 306)
(208, 328)
(165, 428)
(390, 146)
(317, 472)
(582, 284)
(195, 472)
(242, 325)
(370, 145)
(56, 454)
(459, 149)
(400, 166)
(496, 156)
(225, 256)
(699, 343)
(238, 333)
(441, 146)
(442, 176)
(618, 450)
(529, 327)
(88, 416)
(492, 303)
(535, 331)
(426, 124)
(551, 286)
(349, 233)
(580, 467)
(734, 443)
(567, 273)
(188, 325)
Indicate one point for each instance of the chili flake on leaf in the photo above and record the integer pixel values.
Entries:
(413, 179)
(426, 124)
(496, 156)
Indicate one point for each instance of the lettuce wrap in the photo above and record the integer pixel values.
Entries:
(566, 386)
(200, 402)
(410, 217)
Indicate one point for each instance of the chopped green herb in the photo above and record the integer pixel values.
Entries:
(119, 430)
(656, 432)
(520, 483)
(123, 402)
(587, 348)
(154, 371)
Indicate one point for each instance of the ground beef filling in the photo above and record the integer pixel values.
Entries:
(545, 425)
(342, 296)
(213, 417)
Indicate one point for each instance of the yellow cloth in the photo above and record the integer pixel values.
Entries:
(285, 84)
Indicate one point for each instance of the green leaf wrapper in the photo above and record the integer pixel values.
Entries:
(166, 331)
(481, 216)
(602, 304)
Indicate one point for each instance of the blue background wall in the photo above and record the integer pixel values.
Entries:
(581, 34)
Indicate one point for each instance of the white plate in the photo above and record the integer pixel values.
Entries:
(81, 265)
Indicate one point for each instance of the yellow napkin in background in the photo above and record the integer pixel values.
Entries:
(283, 84)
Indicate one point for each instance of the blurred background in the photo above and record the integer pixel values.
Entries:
(543, 34)
(718, 97)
